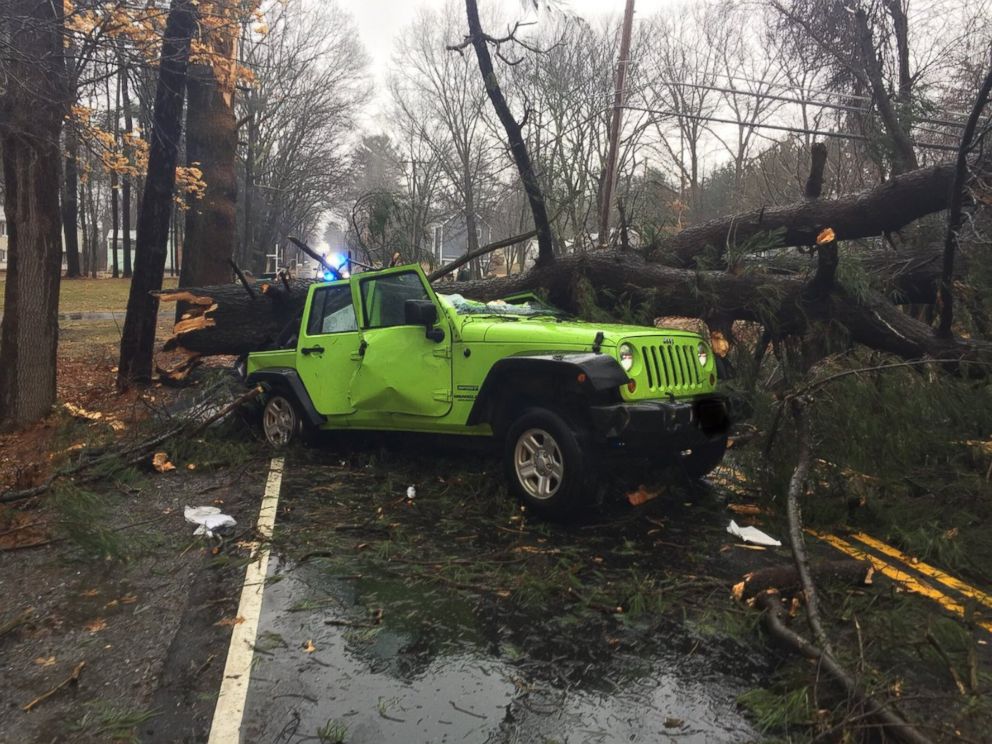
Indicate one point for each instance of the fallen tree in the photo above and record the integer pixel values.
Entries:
(785, 292)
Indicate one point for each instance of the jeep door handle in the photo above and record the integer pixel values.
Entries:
(308, 350)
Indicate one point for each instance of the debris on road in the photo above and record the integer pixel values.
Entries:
(160, 461)
(411, 492)
(752, 535)
(210, 520)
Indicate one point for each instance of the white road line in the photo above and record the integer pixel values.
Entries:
(226, 726)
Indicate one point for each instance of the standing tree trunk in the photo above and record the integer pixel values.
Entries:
(514, 132)
(211, 145)
(70, 202)
(84, 226)
(138, 339)
(31, 115)
(114, 223)
(126, 185)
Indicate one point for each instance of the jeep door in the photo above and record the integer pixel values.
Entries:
(402, 370)
(327, 351)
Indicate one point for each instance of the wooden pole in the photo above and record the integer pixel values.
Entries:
(610, 175)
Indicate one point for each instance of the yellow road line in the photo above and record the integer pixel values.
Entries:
(230, 709)
(935, 573)
(907, 581)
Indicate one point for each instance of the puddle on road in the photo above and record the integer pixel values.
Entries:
(442, 668)
(408, 649)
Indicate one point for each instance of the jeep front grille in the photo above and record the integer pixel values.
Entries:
(672, 366)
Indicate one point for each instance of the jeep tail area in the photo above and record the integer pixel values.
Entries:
(381, 351)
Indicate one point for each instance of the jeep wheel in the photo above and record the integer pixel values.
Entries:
(703, 459)
(545, 464)
(280, 420)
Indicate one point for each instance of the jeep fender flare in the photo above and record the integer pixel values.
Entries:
(593, 376)
(289, 380)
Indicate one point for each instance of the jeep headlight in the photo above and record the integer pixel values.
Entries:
(704, 354)
(626, 357)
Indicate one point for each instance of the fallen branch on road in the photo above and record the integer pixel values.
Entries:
(133, 454)
(774, 618)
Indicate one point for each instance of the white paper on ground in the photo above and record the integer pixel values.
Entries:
(209, 518)
(752, 535)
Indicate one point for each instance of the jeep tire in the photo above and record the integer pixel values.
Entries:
(547, 467)
(704, 458)
(281, 420)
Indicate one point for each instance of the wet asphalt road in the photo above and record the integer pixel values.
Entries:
(347, 652)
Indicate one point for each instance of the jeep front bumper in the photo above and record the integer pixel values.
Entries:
(682, 423)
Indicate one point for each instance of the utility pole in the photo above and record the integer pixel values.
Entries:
(610, 175)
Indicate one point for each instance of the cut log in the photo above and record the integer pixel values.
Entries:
(785, 579)
(227, 320)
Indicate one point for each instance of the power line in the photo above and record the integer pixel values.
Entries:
(789, 99)
(782, 128)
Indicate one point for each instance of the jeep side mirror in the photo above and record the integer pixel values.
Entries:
(423, 313)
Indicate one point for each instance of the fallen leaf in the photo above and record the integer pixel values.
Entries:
(191, 466)
(745, 508)
(642, 495)
(229, 622)
(160, 461)
(96, 625)
(80, 412)
(89, 592)
(129, 599)
(45, 661)
(309, 647)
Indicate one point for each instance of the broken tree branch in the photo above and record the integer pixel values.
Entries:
(797, 487)
(885, 208)
(72, 679)
(774, 618)
(785, 579)
(472, 255)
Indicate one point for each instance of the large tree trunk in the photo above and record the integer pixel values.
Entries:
(138, 339)
(777, 294)
(211, 145)
(225, 320)
(31, 115)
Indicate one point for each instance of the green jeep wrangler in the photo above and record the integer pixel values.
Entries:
(382, 351)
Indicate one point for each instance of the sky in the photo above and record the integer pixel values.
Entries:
(379, 21)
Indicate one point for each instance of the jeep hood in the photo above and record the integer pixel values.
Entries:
(549, 333)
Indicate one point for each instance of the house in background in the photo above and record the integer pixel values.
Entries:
(105, 263)
(451, 238)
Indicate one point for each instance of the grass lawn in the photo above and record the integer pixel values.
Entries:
(92, 295)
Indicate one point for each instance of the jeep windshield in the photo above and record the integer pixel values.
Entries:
(528, 306)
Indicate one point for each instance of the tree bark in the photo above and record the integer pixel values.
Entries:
(31, 116)
(138, 339)
(514, 134)
(211, 145)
